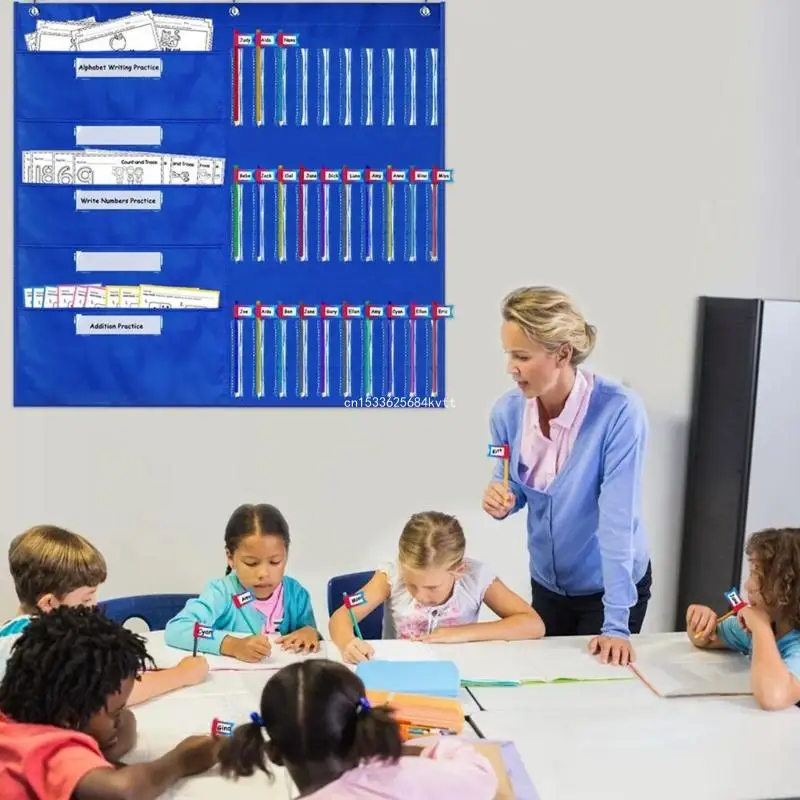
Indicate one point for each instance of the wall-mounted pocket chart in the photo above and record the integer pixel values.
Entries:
(238, 206)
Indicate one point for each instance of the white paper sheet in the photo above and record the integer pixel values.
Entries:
(165, 656)
(499, 663)
(674, 668)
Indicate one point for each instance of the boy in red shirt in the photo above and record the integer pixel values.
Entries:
(63, 717)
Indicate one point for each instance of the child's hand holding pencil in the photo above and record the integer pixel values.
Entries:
(701, 622)
(250, 649)
(357, 650)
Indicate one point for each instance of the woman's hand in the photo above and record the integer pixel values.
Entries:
(612, 650)
(498, 502)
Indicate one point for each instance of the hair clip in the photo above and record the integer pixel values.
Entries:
(255, 718)
(363, 706)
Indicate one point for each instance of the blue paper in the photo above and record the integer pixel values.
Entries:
(433, 678)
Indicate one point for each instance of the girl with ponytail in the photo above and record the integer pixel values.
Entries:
(316, 721)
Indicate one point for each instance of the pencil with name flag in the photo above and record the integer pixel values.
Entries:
(221, 728)
(240, 601)
(501, 451)
(352, 601)
(736, 603)
(201, 632)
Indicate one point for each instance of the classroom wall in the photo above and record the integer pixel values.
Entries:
(635, 153)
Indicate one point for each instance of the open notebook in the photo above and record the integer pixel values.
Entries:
(673, 667)
(508, 663)
(166, 657)
(528, 662)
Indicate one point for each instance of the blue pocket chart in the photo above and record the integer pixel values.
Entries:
(235, 205)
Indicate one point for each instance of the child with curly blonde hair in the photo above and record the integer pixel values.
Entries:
(768, 628)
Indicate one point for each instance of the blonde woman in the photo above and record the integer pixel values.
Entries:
(434, 593)
(577, 444)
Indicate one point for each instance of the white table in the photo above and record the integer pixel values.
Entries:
(710, 749)
(230, 695)
(614, 739)
(165, 721)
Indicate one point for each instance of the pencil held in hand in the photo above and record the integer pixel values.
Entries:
(240, 601)
(201, 632)
(701, 621)
(351, 602)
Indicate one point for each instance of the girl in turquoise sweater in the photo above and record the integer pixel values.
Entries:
(254, 597)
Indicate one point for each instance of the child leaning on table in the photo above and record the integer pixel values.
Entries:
(768, 629)
(64, 724)
(320, 726)
(257, 548)
(433, 593)
(52, 567)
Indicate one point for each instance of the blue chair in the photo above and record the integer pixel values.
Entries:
(372, 625)
(155, 609)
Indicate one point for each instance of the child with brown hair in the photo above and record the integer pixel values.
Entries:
(53, 567)
(434, 593)
(768, 628)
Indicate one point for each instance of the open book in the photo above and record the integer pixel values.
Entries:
(528, 662)
(673, 667)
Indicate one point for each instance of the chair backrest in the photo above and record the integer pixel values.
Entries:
(155, 609)
(372, 625)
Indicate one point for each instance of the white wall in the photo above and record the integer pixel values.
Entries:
(636, 153)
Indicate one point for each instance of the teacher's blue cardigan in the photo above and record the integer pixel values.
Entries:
(585, 532)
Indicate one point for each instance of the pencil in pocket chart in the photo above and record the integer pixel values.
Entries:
(387, 355)
(388, 214)
(279, 79)
(263, 195)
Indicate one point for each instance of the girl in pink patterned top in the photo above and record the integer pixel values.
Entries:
(335, 746)
(433, 593)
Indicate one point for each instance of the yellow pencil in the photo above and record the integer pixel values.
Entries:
(505, 474)
(722, 619)
(259, 76)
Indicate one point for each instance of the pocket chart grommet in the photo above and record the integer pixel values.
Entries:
(235, 185)
(384, 355)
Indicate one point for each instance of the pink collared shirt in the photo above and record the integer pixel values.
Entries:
(542, 457)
